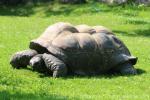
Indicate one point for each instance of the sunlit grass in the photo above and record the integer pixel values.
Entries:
(130, 24)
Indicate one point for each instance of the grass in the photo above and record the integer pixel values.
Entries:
(19, 25)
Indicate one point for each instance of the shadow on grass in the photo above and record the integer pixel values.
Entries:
(140, 71)
(16, 11)
(138, 32)
(105, 75)
(145, 32)
(52, 8)
(109, 74)
(28, 10)
(61, 11)
(5, 95)
(137, 22)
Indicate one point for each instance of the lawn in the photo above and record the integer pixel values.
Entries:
(19, 25)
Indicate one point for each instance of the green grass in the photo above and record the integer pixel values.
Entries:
(19, 25)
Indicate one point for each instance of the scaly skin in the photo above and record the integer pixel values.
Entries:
(37, 63)
(21, 59)
(54, 65)
(127, 69)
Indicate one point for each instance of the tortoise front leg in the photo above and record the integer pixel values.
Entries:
(21, 59)
(37, 63)
(55, 65)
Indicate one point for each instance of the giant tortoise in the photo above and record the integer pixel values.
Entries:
(64, 49)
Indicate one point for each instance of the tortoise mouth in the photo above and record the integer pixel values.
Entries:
(38, 47)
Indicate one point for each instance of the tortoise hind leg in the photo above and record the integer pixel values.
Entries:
(127, 69)
(55, 65)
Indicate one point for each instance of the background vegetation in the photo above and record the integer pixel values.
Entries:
(20, 24)
(120, 2)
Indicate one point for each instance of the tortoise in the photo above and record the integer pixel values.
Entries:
(64, 49)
